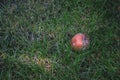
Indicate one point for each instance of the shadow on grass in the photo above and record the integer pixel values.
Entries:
(108, 32)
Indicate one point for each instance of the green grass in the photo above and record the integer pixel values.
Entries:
(35, 40)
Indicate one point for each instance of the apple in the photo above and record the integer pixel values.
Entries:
(79, 41)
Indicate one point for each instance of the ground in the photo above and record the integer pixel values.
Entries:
(35, 39)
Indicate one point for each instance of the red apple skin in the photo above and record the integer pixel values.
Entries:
(79, 41)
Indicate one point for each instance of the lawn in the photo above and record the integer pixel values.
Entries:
(35, 39)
